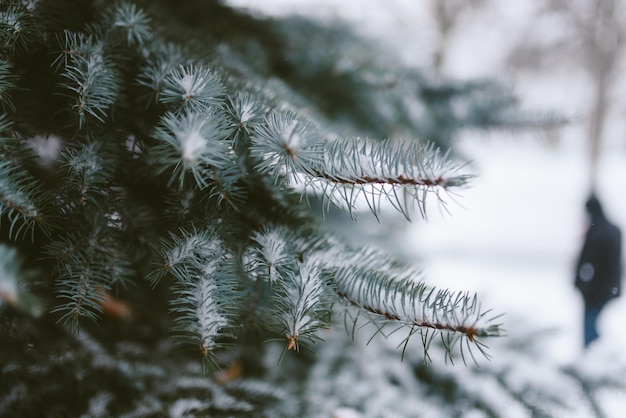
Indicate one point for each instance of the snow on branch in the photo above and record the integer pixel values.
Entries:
(301, 305)
(398, 171)
(192, 143)
(205, 299)
(394, 294)
(287, 145)
(272, 257)
(192, 88)
(198, 304)
(181, 253)
(347, 170)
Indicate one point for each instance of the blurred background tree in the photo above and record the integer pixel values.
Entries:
(587, 35)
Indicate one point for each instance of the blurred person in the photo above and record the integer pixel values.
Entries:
(599, 267)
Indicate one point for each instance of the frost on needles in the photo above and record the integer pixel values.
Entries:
(194, 172)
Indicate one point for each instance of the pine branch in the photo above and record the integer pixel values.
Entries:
(192, 89)
(73, 45)
(91, 63)
(19, 196)
(202, 310)
(24, 203)
(389, 169)
(210, 126)
(302, 301)
(301, 305)
(17, 28)
(134, 22)
(7, 84)
(183, 252)
(226, 186)
(89, 264)
(88, 175)
(273, 257)
(394, 295)
(288, 146)
(205, 297)
(83, 298)
(92, 79)
(389, 162)
(192, 143)
(244, 112)
(163, 60)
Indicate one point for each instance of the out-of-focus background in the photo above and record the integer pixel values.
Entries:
(513, 237)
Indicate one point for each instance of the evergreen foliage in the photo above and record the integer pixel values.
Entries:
(175, 205)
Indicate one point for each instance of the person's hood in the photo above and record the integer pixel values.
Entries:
(594, 209)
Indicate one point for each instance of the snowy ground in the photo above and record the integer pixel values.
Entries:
(517, 239)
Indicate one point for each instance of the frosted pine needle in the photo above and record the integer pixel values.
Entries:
(301, 305)
(192, 143)
(192, 88)
(272, 256)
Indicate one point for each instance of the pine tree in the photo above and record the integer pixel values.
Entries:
(163, 167)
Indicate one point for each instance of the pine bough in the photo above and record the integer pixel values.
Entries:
(227, 155)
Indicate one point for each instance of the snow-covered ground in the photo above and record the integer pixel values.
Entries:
(516, 238)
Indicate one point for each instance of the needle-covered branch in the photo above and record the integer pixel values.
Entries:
(134, 22)
(205, 298)
(18, 29)
(302, 305)
(20, 194)
(396, 294)
(88, 264)
(205, 303)
(302, 300)
(92, 80)
(193, 147)
(351, 170)
(192, 89)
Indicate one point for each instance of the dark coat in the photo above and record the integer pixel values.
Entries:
(599, 267)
